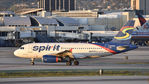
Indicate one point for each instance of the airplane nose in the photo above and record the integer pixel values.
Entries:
(16, 52)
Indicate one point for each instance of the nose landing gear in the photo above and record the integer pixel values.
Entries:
(32, 61)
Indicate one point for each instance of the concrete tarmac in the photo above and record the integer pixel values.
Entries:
(137, 59)
(79, 80)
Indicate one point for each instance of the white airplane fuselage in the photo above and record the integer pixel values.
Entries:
(80, 50)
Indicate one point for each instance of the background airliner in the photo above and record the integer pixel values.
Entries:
(71, 52)
(141, 35)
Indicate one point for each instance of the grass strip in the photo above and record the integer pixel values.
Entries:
(128, 72)
(46, 73)
(72, 72)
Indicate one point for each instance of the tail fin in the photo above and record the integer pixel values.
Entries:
(124, 35)
(141, 19)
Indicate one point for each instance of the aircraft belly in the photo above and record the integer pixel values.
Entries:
(92, 54)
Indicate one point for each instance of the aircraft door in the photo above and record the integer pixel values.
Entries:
(29, 49)
(30, 52)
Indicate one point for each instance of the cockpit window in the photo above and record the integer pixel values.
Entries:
(21, 47)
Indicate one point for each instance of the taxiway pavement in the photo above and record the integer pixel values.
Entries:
(137, 59)
(78, 80)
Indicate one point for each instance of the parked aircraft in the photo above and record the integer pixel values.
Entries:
(71, 52)
(141, 35)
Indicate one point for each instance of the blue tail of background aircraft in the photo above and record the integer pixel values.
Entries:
(124, 35)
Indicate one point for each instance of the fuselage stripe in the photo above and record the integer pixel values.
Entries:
(111, 51)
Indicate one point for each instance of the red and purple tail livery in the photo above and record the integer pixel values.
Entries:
(143, 22)
(141, 19)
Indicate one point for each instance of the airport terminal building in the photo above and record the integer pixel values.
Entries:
(17, 30)
(25, 29)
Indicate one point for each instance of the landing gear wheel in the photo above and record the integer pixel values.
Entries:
(69, 63)
(32, 63)
(76, 62)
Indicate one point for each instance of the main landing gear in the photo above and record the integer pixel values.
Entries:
(69, 61)
(76, 62)
(67, 58)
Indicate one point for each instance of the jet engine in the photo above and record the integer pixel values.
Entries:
(51, 59)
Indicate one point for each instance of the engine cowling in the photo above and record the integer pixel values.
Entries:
(51, 59)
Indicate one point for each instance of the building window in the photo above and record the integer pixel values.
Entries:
(3, 33)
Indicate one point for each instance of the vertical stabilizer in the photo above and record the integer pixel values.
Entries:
(141, 19)
(124, 35)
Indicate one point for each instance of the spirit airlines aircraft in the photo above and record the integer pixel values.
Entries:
(71, 52)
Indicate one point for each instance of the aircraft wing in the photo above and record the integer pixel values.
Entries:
(69, 53)
(63, 54)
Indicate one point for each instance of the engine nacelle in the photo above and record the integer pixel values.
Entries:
(51, 59)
